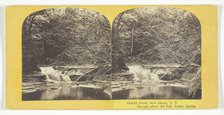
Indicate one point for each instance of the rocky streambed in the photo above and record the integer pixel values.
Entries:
(140, 82)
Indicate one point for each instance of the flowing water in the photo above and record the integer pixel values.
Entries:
(145, 85)
(54, 75)
(59, 86)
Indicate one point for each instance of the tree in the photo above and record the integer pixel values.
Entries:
(66, 36)
(155, 36)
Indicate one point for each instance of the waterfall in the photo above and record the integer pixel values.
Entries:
(54, 75)
(143, 74)
(139, 73)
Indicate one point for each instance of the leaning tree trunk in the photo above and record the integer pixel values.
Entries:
(118, 63)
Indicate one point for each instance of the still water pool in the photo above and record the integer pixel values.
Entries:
(64, 91)
(145, 85)
(72, 91)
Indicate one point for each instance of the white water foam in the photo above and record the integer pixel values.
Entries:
(142, 73)
(54, 75)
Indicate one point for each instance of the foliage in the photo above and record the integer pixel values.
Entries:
(156, 36)
(64, 36)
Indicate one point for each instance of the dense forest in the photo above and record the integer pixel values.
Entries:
(148, 53)
(75, 36)
(156, 36)
(65, 36)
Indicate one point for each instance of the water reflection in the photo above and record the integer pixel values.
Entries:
(74, 92)
(67, 92)
(161, 92)
(144, 85)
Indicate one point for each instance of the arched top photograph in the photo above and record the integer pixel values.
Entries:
(75, 54)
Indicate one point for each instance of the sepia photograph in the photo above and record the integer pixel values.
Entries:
(79, 54)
